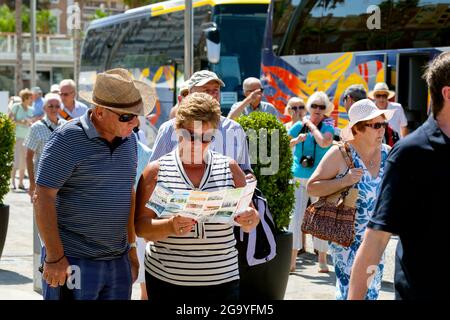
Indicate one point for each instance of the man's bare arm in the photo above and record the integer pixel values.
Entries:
(47, 223)
(369, 254)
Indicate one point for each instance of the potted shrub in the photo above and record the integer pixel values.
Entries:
(271, 160)
(7, 140)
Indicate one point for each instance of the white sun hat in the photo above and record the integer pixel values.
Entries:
(363, 110)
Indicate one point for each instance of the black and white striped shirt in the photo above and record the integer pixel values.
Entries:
(207, 255)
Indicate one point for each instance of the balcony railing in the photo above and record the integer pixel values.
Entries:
(60, 45)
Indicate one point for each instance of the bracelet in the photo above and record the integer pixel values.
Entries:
(53, 262)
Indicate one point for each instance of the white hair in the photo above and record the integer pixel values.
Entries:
(321, 97)
(249, 81)
(51, 96)
(68, 82)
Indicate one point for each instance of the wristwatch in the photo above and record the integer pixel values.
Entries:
(133, 245)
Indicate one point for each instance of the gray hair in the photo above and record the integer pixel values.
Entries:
(249, 81)
(356, 92)
(68, 82)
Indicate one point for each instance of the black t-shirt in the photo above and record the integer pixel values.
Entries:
(414, 204)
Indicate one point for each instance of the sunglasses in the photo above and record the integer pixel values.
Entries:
(54, 106)
(381, 96)
(124, 117)
(377, 125)
(203, 138)
(315, 106)
(298, 108)
(65, 94)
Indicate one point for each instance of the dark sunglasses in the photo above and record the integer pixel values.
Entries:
(54, 106)
(124, 117)
(315, 106)
(298, 108)
(381, 96)
(203, 138)
(377, 125)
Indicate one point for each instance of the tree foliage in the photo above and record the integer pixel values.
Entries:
(277, 187)
(45, 22)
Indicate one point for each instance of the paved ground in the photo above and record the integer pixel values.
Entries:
(16, 264)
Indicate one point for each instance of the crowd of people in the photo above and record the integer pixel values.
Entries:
(91, 178)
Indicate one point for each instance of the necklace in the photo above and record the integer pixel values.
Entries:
(371, 164)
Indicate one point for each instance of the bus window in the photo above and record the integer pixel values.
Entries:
(96, 49)
(241, 29)
(419, 24)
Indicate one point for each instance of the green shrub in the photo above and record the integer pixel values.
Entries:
(276, 186)
(7, 140)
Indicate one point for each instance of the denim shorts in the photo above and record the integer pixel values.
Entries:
(94, 280)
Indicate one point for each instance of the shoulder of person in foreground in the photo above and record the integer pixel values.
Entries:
(408, 147)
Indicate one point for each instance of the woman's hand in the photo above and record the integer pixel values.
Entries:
(181, 225)
(248, 219)
(353, 176)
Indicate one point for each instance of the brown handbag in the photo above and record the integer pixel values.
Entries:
(332, 217)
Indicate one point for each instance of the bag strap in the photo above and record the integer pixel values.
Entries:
(346, 154)
(45, 124)
(64, 115)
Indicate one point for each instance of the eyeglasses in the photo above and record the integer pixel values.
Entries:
(377, 125)
(315, 106)
(124, 117)
(261, 90)
(65, 94)
(193, 136)
(298, 108)
(54, 106)
(378, 96)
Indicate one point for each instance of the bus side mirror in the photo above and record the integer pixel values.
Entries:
(212, 36)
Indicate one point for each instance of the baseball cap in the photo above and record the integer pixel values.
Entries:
(356, 91)
(202, 77)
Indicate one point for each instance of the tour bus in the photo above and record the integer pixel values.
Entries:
(312, 45)
(149, 42)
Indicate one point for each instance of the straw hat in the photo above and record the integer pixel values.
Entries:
(381, 87)
(116, 89)
(363, 110)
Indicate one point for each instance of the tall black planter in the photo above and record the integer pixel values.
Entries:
(4, 219)
(267, 281)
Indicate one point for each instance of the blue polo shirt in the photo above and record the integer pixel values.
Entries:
(94, 179)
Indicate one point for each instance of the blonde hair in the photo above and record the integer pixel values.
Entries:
(198, 106)
(25, 94)
(320, 96)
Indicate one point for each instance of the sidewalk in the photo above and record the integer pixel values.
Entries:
(16, 264)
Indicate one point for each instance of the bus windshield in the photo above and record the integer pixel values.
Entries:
(241, 32)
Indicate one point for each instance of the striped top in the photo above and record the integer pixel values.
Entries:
(207, 255)
(94, 179)
(230, 140)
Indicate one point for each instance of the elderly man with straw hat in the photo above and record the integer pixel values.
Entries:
(381, 96)
(85, 196)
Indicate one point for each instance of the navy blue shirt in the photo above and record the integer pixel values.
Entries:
(95, 180)
(413, 204)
